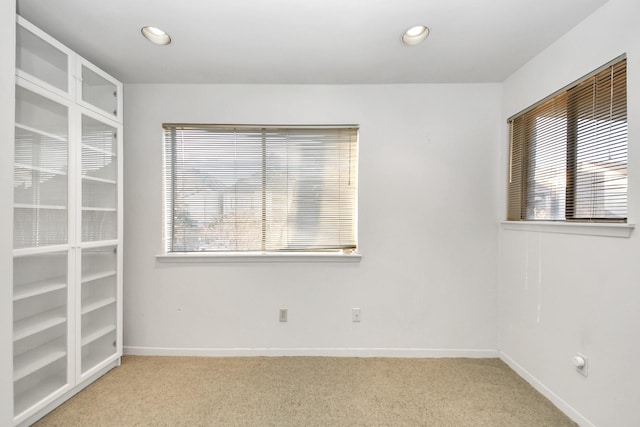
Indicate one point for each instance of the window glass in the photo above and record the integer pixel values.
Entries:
(568, 153)
(235, 189)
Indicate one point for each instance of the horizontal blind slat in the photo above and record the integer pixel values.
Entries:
(568, 154)
(248, 189)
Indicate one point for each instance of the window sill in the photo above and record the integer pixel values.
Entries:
(209, 257)
(587, 229)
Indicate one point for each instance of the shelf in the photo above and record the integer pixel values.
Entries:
(38, 250)
(102, 180)
(97, 333)
(89, 306)
(38, 288)
(98, 90)
(43, 389)
(93, 359)
(33, 360)
(44, 60)
(87, 208)
(67, 167)
(40, 133)
(33, 206)
(99, 244)
(97, 276)
(39, 169)
(38, 323)
(98, 150)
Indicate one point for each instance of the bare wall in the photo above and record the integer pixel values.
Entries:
(427, 228)
(561, 294)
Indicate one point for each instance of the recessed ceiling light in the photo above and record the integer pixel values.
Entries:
(156, 35)
(415, 35)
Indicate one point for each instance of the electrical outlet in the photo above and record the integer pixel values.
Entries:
(355, 314)
(283, 314)
(581, 363)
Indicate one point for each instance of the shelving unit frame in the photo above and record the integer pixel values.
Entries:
(67, 280)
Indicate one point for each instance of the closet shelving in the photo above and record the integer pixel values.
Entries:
(67, 290)
(98, 284)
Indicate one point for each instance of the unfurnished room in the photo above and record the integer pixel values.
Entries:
(320, 213)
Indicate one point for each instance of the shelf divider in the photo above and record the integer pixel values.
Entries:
(102, 180)
(38, 323)
(38, 288)
(97, 276)
(89, 306)
(31, 361)
(98, 150)
(40, 132)
(39, 169)
(97, 333)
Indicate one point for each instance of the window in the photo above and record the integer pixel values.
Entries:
(568, 153)
(260, 188)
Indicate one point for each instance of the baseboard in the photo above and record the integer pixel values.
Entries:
(569, 410)
(326, 352)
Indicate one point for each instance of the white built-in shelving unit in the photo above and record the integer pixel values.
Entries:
(67, 288)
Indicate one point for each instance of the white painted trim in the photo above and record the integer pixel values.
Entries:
(569, 410)
(181, 257)
(585, 228)
(313, 351)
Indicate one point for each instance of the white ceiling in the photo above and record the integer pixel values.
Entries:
(308, 41)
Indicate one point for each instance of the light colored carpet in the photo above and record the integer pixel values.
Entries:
(308, 391)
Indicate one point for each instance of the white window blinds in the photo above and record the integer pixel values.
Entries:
(261, 188)
(568, 153)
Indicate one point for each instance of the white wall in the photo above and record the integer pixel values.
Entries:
(427, 228)
(560, 294)
(7, 105)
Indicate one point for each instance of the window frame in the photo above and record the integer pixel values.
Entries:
(517, 194)
(262, 255)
